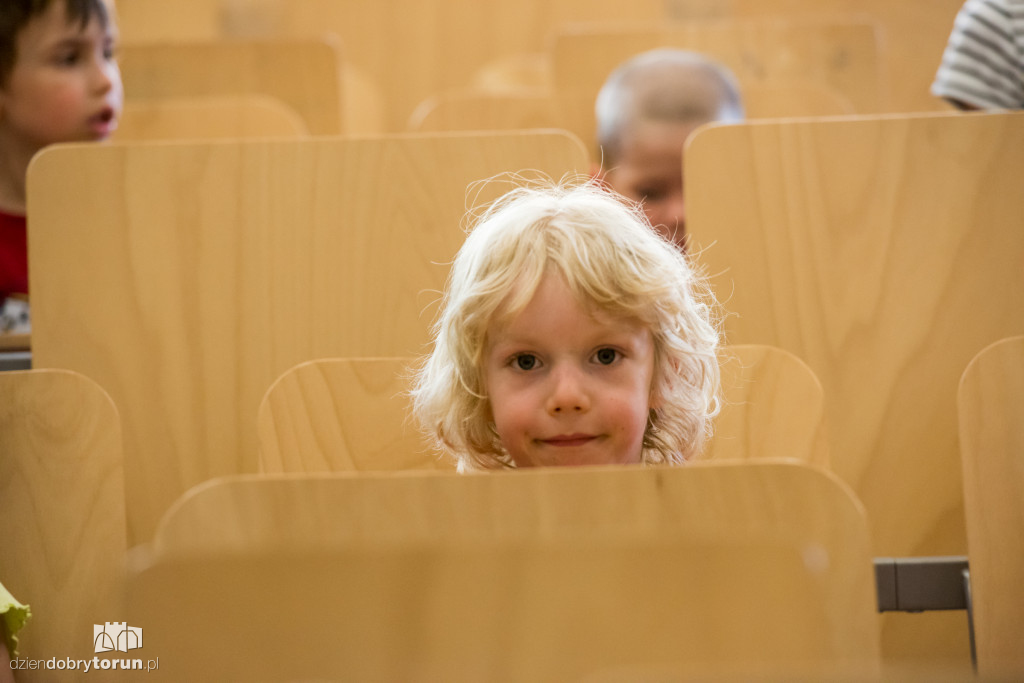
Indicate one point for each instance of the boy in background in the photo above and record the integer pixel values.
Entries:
(59, 82)
(645, 111)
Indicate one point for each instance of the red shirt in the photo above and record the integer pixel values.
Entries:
(13, 255)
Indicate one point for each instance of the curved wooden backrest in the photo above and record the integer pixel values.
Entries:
(990, 403)
(842, 56)
(305, 74)
(914, 31)
(883, 251)
(476, 109)
(62, 514)
(867, 246)
(472, 109)
(413, 49)
(783, 99)
(226, 263)
(544, 575)
(209, 118)
(773, 407)
(343, 414)
(512, 73)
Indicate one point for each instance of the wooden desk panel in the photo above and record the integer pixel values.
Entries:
(225, 264)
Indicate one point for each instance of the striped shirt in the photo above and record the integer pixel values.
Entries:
(983, 65)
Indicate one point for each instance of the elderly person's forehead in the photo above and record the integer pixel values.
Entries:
(672, 89)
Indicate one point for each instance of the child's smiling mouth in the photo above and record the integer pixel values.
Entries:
(569, 440)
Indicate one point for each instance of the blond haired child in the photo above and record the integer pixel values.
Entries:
(571, 333)
(645, 111)
(59, 82)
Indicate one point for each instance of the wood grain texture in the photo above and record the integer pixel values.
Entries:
(62, 513)
(914, 33)
(343, 414)
(152, 21)
(226, 264)
(413, 49)
(477, 109)
(842, 56)
(990, 404)
(474, 109)
(543, 575)
(306, 75)
(783, 99)
(773, 407)
(884, 251)
(209, 118)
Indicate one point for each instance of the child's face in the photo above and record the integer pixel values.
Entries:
(65, 85)
(568, 385)
(650, 169)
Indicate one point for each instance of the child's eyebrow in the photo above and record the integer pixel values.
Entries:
(78, 40)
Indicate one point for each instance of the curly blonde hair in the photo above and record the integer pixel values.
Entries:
(611, 259)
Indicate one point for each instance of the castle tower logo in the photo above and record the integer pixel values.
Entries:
(116, 636)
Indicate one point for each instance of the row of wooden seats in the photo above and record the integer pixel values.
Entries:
(884, 253)
(212, 297)
(261, 556)
(433, 47)
(209, 118)
(787, 69)
(477, 109)
(333, 415)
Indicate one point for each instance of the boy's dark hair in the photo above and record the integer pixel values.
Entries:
(15, 14)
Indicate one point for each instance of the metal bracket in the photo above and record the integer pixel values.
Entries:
(918, 584)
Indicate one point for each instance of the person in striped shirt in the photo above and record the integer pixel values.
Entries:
(983, 65)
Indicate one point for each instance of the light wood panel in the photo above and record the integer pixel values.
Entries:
(546, 575)
(990, 404)
(305, 74)
(471, 109)
(343, 414)
(884, 251)
(150, 21)
(772, 407)
(784, 99)
(209, 118)
(914, 32)
(62, 515)
(478, 109)
(225, 264)
(413, 49)
(840, 55)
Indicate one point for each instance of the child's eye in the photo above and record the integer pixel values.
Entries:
(68, 57)
(525, 361)
(606, 356)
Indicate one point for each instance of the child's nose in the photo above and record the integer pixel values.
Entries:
(104, 74)
(568, 391)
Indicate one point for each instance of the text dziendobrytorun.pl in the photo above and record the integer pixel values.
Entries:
(86, 665)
